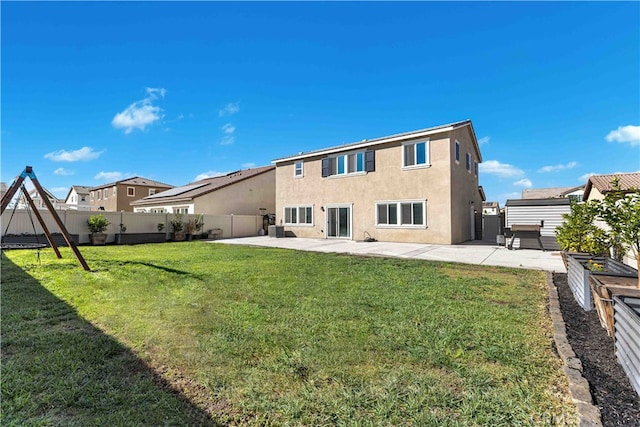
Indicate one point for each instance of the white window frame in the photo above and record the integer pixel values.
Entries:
(180, 209)
(398, 204)
(105, 194)
(99, 194)
(152, 191)
(345, 158)
(134, 191)
(92, 195)
(298, 208)
(415, 144)
(298, 172)
(114, 191)
(456, 153)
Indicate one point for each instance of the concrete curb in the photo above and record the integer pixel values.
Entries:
(588, 413)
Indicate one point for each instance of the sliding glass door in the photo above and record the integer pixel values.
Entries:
(339, 222)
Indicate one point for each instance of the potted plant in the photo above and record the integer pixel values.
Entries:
(177, 226)
(199, 224)
(189, 228)
(98, 225)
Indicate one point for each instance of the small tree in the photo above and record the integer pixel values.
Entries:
(621, 212)
(578, 232)
(176, 223)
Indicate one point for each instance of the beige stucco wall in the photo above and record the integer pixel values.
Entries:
(464, 188)
(121, 201)
(242, 198)
(389, 182)
(595, 194)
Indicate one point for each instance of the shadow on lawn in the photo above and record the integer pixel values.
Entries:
(59, 369)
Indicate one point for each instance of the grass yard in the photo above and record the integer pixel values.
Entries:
(209, 334)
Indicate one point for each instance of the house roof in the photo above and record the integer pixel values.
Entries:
(136, 180)
(548, 193)
(34, 194)
(386, 139)
(82, 190)
(603, 183)
(195, 189)
(491, 205)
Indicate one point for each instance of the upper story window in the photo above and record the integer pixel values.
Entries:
(298, 215)
(114, 190)
(92, 195)
(131, 191)
(83, 199)
(298, 170)
(457, 152)
(152, 191)
(475, 168)
(415, 154)
(106, 193)
(99, 194)
(350, 163)
(469, 162)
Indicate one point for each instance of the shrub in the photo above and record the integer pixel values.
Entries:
(578, 232)
(176, 223)
(98, 223)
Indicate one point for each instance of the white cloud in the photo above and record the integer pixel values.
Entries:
(229, 109)
(624, 134)
(248, 165)
(82, 154)
(140, 114)
(209, 174)
(63, 172)
(228, 128)
(524, 182)
(503, 170)
(154, 92)
(109, 176)
(483, 140)
(228, 140)
(556, 168)
(586, 176)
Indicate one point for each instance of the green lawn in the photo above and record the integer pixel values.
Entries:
(164, 334)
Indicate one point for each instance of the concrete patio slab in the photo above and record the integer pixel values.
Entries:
(468, 253)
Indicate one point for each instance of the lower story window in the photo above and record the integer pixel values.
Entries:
(295, 215)
(402, 213)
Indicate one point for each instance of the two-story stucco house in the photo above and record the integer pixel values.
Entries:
(117, 196)
(419, 186)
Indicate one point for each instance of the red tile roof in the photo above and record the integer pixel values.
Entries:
(604, 183)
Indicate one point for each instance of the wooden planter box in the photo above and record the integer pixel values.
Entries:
(604, 288)
(578, 275)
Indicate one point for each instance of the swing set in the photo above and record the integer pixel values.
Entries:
(18, 184)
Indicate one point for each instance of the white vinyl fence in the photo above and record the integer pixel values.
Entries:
(19, 222)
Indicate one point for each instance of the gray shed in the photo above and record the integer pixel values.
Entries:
(544, 212)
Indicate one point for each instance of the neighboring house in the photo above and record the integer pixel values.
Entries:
(544, 212)
(117, 196)
(37, 200)
(419, 186)
(3, 189)
(78, 198)
(599, 185)
(490, 208)
(245, 192)
(572, 193)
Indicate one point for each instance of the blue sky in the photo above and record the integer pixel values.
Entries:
(96, 92)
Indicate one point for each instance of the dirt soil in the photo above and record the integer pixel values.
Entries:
(611, 390)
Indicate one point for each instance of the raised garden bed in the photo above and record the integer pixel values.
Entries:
(627, 336)
(581, 266)
(603, 289)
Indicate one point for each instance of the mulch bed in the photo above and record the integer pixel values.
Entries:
(611, 390)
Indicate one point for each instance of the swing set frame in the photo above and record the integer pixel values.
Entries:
(13, 189)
